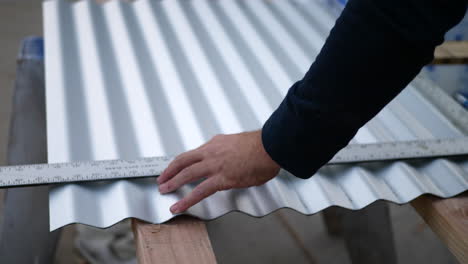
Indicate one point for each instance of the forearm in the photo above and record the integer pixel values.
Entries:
(375, 49)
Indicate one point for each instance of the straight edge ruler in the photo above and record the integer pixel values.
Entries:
(84, 171)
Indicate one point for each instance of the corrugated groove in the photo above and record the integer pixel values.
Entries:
(153, 78)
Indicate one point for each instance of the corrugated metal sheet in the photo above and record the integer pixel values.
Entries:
(153, 78)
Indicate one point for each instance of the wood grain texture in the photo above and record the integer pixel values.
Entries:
(451, 52)
(181, 240)
(448, 218)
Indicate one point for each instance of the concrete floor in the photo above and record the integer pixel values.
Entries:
(236, 238)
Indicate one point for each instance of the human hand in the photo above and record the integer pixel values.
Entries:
(226, 162)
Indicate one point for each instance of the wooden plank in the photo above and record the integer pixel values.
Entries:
(451, 52)
(448, 218)
(181, 240)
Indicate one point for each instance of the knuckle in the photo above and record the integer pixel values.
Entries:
(218, 137)
(179, 157)
(208, 168)
(210, 151)
(183, 203)
(224, 187)
(214, 167)
(199, 193)
(173, 166)
(169, 186)
(202, 192)
(185, 173)
(225, 184)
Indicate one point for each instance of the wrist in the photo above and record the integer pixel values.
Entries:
(263, 152)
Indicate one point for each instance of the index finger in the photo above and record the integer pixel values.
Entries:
(179, 163)
(203, 190)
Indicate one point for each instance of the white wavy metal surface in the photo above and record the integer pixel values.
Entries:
(153, 78)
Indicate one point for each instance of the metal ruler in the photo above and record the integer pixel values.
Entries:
(402, 150)
(40, 174)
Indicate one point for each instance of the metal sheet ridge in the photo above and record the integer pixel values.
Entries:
(156, 78)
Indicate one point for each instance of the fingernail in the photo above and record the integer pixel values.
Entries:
(163, 188)
(175, 209)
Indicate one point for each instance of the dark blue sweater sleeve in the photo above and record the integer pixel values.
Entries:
(374, 50)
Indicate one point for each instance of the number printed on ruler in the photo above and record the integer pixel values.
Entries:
(36, 174)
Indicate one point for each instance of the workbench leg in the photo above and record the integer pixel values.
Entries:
(24, 227)
(182, 240)
(367, 232)
(332, 217)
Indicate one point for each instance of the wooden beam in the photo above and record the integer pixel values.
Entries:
(451, 52)
(181, 240)
(448, 218)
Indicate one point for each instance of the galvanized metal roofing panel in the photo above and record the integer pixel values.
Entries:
(154, 78)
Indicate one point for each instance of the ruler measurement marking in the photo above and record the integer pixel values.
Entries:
(35, 174)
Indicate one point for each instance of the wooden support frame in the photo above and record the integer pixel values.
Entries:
(183, 239)
(451, 52)
(448, 218)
